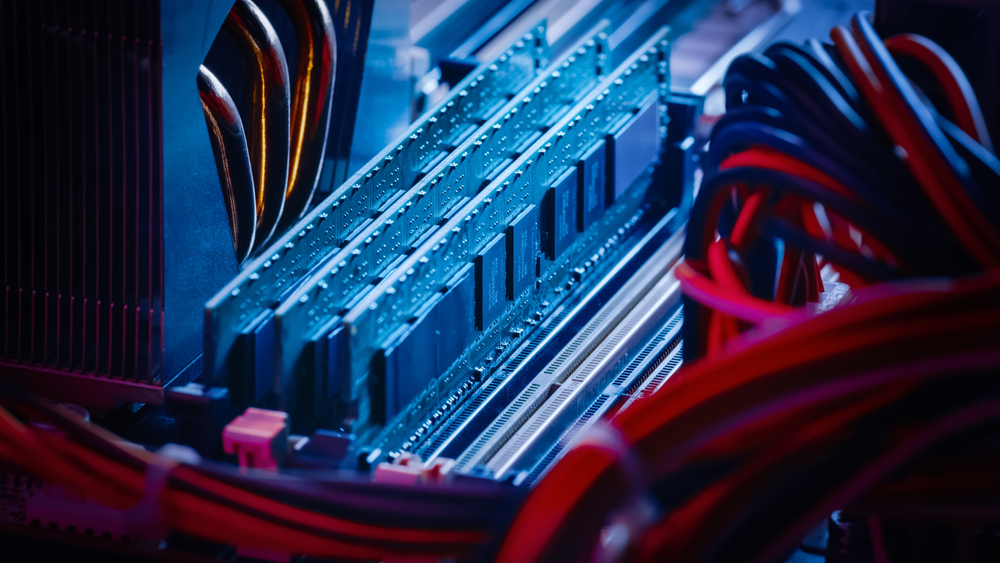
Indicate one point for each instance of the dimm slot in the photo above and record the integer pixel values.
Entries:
(573, 355)
(453, 180)
(663, 346)
(316, 236)
(579, 386)
(642, 78)
(651, 385)
(485, 356)
(554, 333)
(600, 251)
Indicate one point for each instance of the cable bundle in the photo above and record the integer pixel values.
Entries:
(828, 160)
(829, 154)
(745, 453)
(318, 513)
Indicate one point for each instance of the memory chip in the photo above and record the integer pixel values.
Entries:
(559, 215)
(409, 363)
(258, 341)
(336, 344)
(522, 250)
(429, 345)
(491, 263)
(325, 366)
(455, 318)
(592, 186)
(636, 146)
(322, 367)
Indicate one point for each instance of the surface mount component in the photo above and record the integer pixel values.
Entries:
(559, 214)
(522, 250)
(427, 346)
(491, 288)
(592, 175)
(635, 146)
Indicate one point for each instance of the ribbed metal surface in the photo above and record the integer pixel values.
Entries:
(81, 175)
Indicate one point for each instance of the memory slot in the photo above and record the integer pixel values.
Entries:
(499, 388)
(570, 393)
(521, 327)
(505, 215)
(458, 177)
(653, 381)
(662, 353)
(289, 260)
(621, 323)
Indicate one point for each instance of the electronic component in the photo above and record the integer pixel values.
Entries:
(636, 145)
(491, 292)
(456, 318)
(257, 360)
(592, 174)
(258, 437)
(377, 316)
(522, 250)
(558, 215)
(201, 415)
(323, 448)
(280, 269)
(406, 366)
(335, 358)
(452, 180)
(427, 346)
(409, 469)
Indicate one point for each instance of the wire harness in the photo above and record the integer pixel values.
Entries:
(319, 513)
(830, 163)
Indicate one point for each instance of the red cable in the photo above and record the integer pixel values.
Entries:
(820, 287)
(722, 269)
(742, 306)
(121, 487)
(771, 159)
(678, 533)
(941, 186)
(799, 347)
(961, 96)
(746, 221)
(551, 502)
(715, 339)
(774, 160)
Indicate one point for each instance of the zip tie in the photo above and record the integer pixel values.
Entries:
(146, 518)
(609, 437)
